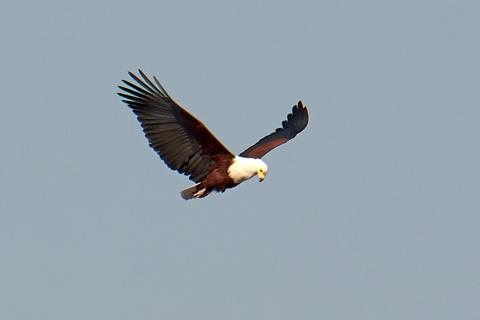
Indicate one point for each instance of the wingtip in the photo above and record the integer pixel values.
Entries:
(132, 74)
(300, 112)
(142, 73)
(299, 106)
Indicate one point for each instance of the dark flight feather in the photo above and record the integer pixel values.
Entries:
(182, 141)
(295, 123)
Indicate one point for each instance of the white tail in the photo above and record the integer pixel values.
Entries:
(190, 193)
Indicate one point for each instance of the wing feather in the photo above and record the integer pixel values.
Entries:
(182, 141)
(295, 123)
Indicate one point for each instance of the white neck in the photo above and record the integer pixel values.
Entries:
(244, 168)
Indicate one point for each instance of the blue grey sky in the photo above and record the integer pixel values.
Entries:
(371, 213)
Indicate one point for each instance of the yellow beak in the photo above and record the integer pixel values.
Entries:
(261, 176)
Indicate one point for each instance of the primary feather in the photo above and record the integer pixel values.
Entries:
(180, 139)
(295, 123)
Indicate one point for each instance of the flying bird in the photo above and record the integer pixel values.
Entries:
(186, 145)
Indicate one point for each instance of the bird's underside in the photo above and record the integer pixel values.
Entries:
(186, 145)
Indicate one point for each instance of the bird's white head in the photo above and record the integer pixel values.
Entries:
(245, 168)
(262, 169)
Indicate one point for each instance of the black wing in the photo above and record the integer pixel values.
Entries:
(181, 140)
(295, 123)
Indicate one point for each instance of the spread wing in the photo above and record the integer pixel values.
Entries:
(295, 123)
(182, 141)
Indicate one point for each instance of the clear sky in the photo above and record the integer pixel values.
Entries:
(371, 213)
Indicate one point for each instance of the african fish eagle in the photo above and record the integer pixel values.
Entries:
(187, 145)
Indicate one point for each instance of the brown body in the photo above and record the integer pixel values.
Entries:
(217, 178)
